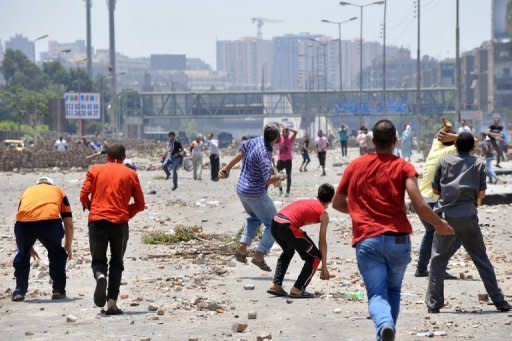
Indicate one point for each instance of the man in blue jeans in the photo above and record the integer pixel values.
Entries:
(372, 191)
(256, 174)
(172, 158)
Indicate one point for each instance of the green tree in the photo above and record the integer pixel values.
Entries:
(18, 70)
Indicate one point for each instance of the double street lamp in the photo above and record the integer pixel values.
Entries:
(361, 7)
(63, 51)
(324, 45)
(339, 23)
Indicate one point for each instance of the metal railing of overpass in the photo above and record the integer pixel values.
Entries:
(286, 103)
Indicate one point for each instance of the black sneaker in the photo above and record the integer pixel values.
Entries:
(17, 297)
(421, 273)
(387, 334)
(450, 276)
(58, 295)
(503, 306)
(433, 310)
(100, 293)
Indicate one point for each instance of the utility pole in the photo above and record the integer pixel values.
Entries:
(384, 94)
(457, 65)
(325, 64)
(112, 67)
(88, 4)
(361, 69)
(418, 73)
(339, 57)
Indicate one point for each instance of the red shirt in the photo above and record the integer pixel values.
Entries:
(303, 212)
(107, 191)
(375, 187)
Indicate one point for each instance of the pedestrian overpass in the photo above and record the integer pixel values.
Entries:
(150, 114)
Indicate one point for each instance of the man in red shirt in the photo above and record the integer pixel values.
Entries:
(372, 191)
(106, 193)
(286, 230)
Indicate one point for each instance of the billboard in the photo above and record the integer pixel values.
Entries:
(82, 106)
(502, 17)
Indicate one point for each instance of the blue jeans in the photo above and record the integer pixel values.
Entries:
(261, 210)
(488, 167)
(382, 261)
(175, 162)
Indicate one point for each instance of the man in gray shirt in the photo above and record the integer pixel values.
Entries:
(460, 181)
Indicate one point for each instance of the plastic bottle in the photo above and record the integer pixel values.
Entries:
(354, 295)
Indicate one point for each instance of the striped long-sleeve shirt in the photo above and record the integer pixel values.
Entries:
(256, 168)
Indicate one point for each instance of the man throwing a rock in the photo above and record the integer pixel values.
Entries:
(106, 193)
(257, 173)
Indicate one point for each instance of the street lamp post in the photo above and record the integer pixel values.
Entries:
(339, 23)
(63, 51)
(457, 63)
(384, 93)
(324, 45)
(361, 7)
(82, 122)
(34, 41)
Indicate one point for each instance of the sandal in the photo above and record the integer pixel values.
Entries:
(261, 264)
(303, 294)
(241, 257)
(115, 311)
(280, 293)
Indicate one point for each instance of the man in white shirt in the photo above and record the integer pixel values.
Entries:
(61, 145)
(196, 148)
(213, 147)
(321, 147)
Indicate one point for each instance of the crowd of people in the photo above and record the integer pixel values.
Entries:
(371, 191)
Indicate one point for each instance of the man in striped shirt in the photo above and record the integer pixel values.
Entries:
(256, 174)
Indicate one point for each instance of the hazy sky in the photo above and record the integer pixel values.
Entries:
(193, 26)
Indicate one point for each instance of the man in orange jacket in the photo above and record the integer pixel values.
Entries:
(42, 209)
(106, 193)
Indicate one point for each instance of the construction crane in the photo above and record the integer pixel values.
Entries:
(259, 21)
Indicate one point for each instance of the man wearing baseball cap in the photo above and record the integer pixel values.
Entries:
(42, 210)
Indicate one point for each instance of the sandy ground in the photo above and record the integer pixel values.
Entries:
(200, 296)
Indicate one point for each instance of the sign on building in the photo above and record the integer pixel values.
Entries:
(502, 19)
(82, 106)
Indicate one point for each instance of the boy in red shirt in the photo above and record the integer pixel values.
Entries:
(372, 191)
(286, 230)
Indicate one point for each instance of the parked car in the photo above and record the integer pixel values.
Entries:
(17, 145)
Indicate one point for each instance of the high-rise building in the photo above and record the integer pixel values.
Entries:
(247, 62)
(500, 74)
(23, 44)
(168, 62)
(295, 61)
(65, 51)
